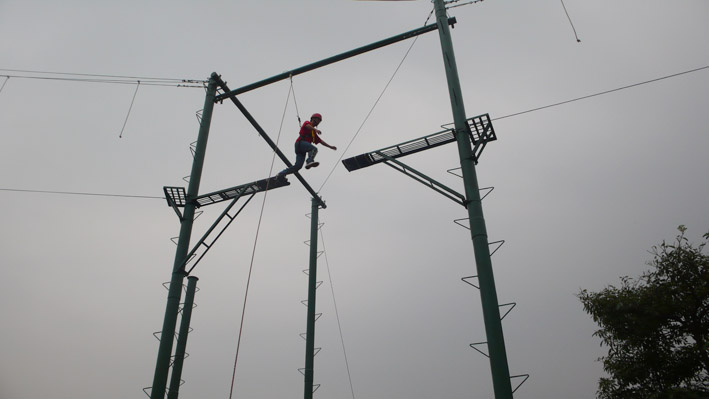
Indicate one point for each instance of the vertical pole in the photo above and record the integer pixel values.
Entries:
(162, 366)
(491, 312)
(176, 377)
(312, 286)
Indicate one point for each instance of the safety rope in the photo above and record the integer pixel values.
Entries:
(253, 252)
(373, 106)
(292, 90)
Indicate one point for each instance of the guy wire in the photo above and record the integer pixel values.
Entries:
(373, 106)
(337, 314)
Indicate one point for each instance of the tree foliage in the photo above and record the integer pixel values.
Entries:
(656, 327)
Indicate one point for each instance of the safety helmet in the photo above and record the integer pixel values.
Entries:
(316, 115)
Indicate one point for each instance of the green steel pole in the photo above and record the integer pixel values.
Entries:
(491, 312)
(176, 377)
(162, 366)
(312, 286)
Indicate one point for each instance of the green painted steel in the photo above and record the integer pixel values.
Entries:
(312, 286)
(331, 60)
(162, 366)
(176, 377)
(491, 312)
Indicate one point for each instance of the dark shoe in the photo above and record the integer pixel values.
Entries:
(311, 164)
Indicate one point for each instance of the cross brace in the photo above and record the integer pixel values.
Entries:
(203, 241)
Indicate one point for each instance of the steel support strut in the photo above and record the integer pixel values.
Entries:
(162, 366)
(312, 286)
(491, 313)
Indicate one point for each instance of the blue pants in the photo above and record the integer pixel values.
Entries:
(301, 149)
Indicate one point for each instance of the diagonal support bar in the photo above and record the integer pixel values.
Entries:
(202, 240)
(285, 75)
(525, 376)
(425, 180)
(270, 142)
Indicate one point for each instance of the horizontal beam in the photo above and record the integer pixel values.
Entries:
(331, 60)
(202, 241)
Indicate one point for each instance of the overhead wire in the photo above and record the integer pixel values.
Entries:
(602, 93)
(101, 75)
(494, 119)
(110, 81)
(522, 112)
(460, 5)
(101, 78)
(79, 193)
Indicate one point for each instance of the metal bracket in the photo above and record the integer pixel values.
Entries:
(526, 377)
(511, 305)
(473, 345)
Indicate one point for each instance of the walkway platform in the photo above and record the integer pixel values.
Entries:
(481, 132)
(176, 196)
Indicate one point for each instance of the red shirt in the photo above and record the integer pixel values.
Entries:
(308, 135)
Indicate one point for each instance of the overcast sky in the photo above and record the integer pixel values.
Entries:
(582, 190)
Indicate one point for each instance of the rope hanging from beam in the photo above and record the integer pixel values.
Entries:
(253, 252)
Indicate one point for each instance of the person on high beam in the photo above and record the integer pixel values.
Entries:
(305, 144)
